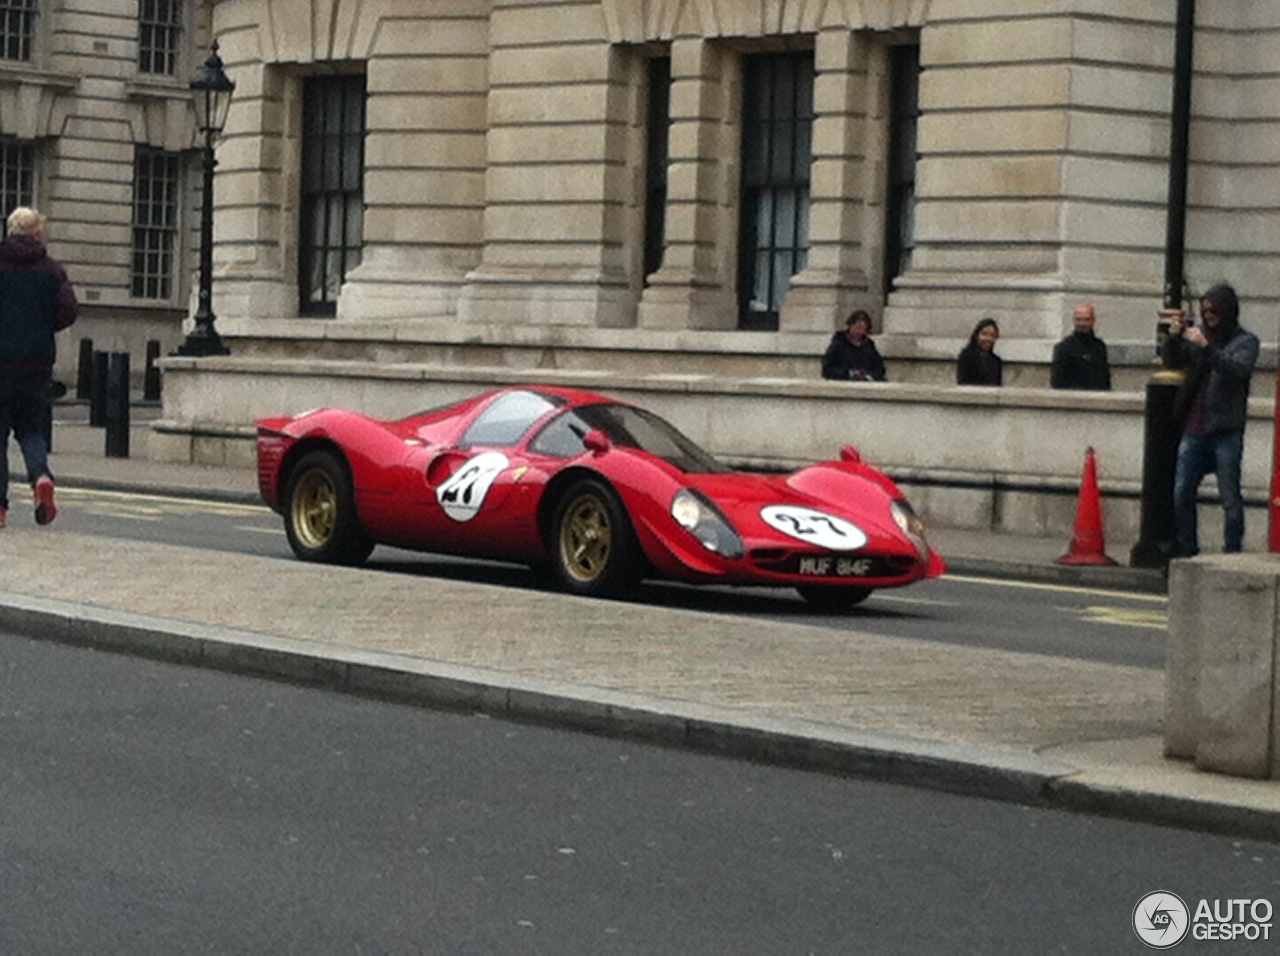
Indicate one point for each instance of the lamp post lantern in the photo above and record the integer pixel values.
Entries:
(211, 91)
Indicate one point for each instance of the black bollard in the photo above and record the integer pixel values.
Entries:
(151, 377)
(1159, 459)
(117, 441)
(84, 371)
(98, 391)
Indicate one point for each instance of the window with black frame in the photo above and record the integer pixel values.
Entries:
(17, 175)
(658, 125)
(904, 112)
(159, 36)
(156, 192)
(777, 156)
(17, 28)
(332, 193)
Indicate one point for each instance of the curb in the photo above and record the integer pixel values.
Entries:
(1022, 778)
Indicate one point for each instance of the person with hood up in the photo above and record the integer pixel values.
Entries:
(852, 355)
(36, 301)
(1212, 408)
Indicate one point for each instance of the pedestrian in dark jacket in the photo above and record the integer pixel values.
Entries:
(36, 300)
(978, 363)
(852, 355)
(1080, 360)
(1212, 407)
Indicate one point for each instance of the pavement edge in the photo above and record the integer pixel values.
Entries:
(1010, 776)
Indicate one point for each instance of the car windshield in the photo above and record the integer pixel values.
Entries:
(627, 427)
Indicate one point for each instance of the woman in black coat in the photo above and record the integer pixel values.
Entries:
(852, 355)
(978, 363)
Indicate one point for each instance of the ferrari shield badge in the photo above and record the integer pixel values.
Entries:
(814, 527)
(463, 492)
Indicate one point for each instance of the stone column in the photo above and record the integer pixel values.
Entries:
(842, 184)
(694, 287)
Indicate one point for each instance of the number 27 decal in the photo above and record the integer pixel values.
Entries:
(463, 492)
(815, 527)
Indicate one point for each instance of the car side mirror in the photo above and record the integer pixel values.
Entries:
(596, 441)
(850, 454)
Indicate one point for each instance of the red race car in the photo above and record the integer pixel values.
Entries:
(605, 492)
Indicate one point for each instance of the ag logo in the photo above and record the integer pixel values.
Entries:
(814, 527)
(462, 493)
(1161, 920)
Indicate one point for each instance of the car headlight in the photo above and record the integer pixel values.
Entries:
(907, 519)
(704, 521)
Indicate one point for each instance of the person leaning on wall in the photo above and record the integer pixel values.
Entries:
(1080, 359)
(852, 355)
(978, 363)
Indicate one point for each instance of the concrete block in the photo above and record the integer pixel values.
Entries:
(1221, 683)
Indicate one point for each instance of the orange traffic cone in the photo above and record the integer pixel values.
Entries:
(1087, 546)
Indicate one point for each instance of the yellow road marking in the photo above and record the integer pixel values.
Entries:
(1122, 616)
(1061, 588)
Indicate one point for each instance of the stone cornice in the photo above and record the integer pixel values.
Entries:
(640, 21)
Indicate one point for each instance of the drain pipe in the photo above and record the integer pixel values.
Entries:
(1161, 434)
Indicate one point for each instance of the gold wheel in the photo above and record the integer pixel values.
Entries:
(586, 538)
(315, 509)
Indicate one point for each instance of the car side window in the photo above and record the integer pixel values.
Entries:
(507, 419)
(561, 437)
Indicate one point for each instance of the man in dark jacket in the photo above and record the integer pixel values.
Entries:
(1212, 405)
(1080, 360)
(852, 355)
(36, 300)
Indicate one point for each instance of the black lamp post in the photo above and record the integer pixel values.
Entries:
(1161, 435)
(211, 91)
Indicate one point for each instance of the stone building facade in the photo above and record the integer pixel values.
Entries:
(96, 129)
(741, 166)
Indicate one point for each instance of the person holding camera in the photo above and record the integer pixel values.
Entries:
(1212, 408)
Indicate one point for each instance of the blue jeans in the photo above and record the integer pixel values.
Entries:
(1198, 455)
(24, 401)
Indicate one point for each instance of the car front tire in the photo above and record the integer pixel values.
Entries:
(320, 517)
(593, 547)
(833, 599)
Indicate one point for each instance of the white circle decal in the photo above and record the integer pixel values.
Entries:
(814, 527)
(1161, 919)
(462, 493)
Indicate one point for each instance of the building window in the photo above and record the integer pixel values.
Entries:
(777, 136)
(332, 200)
(658, 128)
(17, 175)
(159, 36)
(155, 222)
(900, 201)
(17, 27)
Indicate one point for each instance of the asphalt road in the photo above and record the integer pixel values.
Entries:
(151, 808)
(1104, 626)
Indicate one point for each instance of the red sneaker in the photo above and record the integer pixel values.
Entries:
(46, 510)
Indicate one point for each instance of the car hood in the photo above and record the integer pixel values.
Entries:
(743, 497)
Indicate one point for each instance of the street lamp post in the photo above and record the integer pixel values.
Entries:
(211, 91)
(1160, 433)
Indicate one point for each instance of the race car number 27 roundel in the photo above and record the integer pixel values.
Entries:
(462, 493)
(814, 527)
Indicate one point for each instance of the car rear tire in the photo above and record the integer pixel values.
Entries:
(320, 517)
(833, 598)
(593, 547)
